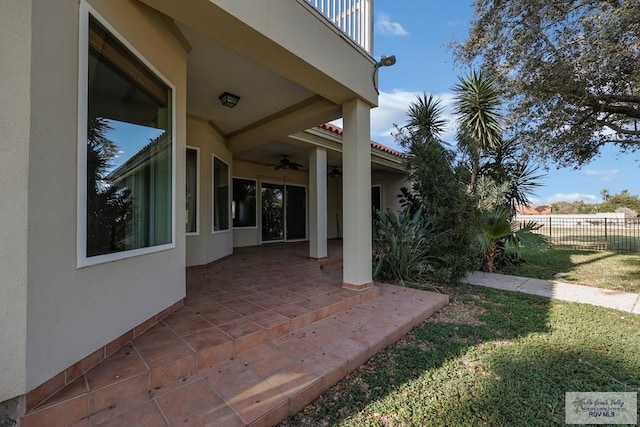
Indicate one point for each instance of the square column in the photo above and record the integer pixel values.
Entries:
(318, 203)
(356, 195)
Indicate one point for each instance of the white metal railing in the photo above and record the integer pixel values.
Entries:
(353, 17)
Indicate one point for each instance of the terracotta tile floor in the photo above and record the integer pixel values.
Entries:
(262, 333)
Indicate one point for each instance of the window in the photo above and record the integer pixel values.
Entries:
(376, 199)
(126, 152)
(220, 195)
(243, 207)
(192, 191)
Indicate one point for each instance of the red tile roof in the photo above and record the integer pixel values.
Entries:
(534, 210)
(338, 131)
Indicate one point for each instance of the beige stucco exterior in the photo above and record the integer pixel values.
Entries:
(15, 123)
(72, 312)
(56, 311)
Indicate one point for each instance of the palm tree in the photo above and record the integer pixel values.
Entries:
(425, 119)
(498, 235)
(477, 105)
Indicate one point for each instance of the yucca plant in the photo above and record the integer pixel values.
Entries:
(499, 239)
(401, 247)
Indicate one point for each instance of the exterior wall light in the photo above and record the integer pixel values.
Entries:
(229, 100)
(385, 61)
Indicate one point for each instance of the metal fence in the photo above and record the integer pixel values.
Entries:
(597, 234)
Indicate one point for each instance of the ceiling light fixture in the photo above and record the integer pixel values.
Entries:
(229, 100)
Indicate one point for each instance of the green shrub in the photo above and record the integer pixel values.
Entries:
(401, 247)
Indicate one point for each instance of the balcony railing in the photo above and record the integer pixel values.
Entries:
(353, 17)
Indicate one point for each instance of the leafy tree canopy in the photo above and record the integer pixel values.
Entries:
(569, 70)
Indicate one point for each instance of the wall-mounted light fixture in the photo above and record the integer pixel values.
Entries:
(229, 100)
(385, 61)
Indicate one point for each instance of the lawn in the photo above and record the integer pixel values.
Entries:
(608, 270)
(490, 358)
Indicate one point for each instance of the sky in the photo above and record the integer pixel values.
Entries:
(418, 32)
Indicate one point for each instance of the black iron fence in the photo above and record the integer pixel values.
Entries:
(593, 234)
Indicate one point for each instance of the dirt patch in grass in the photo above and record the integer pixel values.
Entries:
(461, 313)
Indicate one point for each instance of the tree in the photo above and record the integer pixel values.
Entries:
(500, 240)
(605, 194)
(477, 106)
(569, 70)
(425, 119)
(447, 210)
(508, 164)
(621, 200)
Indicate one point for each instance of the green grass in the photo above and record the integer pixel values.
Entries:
(490, 358)
(608, 270)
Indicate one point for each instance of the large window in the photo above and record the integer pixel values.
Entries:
(243, 207)
(220, 195)
(127, 152)
(192, 191)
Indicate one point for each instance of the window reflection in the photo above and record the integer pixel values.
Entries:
(129, 149)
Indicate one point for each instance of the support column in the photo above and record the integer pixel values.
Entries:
(318, 203)
(356, 195)
(15, 122)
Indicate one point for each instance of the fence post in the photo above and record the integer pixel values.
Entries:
(550, 239)
(606, 237)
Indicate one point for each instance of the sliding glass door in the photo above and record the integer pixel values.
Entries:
(284, 212)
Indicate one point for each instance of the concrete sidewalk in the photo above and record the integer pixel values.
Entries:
(575, 293)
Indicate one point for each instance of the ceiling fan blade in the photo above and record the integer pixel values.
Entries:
(280, 166)
(295, 165)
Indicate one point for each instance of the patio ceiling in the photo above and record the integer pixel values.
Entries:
(214, 69)
(264, 95)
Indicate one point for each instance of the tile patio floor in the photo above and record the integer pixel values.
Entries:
(262, 333)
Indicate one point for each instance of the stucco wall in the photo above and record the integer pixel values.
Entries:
(71, 311)
(207, 246)
(391, 184)
(15, 63)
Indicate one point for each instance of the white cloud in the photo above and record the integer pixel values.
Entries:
(605, 174)
(392, 109)
(389, 28)
(573, 197)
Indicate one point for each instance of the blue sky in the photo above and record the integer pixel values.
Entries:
(418, 32)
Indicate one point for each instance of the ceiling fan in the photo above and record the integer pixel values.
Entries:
(285, 163)
(335, 172)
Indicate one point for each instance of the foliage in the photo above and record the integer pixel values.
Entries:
(425, 119)
(499, 241)
(508, 164)
(477, 106)
(569, 70)
(445, 205)
(612, 203)
(622, 200)
(490, 194)
(401, 247)
(567, 208)
(108, 206)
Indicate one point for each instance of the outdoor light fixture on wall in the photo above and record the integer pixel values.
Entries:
(385, 61)
(229, 100)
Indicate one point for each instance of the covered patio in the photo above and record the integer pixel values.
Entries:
(261, 334)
